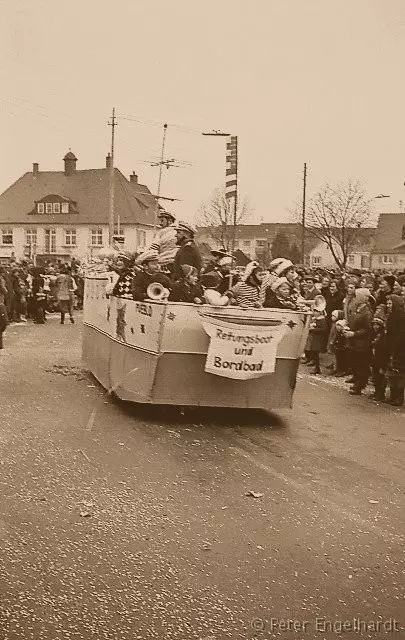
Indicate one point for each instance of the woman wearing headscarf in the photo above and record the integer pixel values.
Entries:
(359, 334)
(396, 349)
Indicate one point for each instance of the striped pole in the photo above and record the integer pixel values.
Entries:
(231, 182)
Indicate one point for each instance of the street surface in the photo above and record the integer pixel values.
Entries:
(123, 522)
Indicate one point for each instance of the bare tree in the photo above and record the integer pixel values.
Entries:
(216, 216)
(336, 215)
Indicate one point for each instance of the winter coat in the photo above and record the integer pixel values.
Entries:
(316, 336)
(396, 334)
(183, 291)
(359, 321)
(272, 301)
(333, 301)
(380, 349)
(142, 280)
(188, 253)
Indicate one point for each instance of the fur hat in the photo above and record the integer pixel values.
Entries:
(277, 283)
(283, 266)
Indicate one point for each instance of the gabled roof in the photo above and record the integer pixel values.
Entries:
(89, 188)
(390, 231)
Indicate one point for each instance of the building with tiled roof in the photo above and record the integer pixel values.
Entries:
(389, 247)
(64, 214)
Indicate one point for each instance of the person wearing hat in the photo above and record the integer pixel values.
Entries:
(246, 293)
(149, 274)
(123, 286)
(385, 290)
(278, 295)
(269, 277)
(359, 333)
(217, 255)
(379, 355)
(164, 242)
(187, 289)
(188, 252)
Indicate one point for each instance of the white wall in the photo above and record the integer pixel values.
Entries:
(83, 248)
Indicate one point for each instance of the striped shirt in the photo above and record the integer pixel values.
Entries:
(245, 294)
(164, 243)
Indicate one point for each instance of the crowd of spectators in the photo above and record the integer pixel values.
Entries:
(360, 322)
(29, 292)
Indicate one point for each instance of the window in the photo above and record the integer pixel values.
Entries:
(364, 261)
(50, 241)
(70, 237)
(316, 260)
(403, 233)
(388, 259)
(7, 236)
(246, 243)
(261, 243)
(56, 207)
(141, 235)
(30, 237)
(350, 258)
(120, 232)
(41, 207)
(48, 207)
(65, 207)
(97, 237)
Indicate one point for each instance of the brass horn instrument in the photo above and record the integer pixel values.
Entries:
(157, 292)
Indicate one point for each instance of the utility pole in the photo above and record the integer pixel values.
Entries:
(112, 124)
(304, 192)
(161, 163)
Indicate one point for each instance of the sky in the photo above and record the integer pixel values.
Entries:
(315, 81)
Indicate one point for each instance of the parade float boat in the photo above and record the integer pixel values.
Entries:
(195, 355)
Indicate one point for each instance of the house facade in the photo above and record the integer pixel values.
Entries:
(50, 215)
(389, 248)
(360, 256)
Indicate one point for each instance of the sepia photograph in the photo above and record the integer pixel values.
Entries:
(202, 320)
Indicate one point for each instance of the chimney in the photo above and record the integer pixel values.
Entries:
(70, 163)
(108, 161)
(133, 177)
(35, 168)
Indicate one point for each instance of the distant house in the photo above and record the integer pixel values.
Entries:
(64, 214)
(359, 258)
(389, 247)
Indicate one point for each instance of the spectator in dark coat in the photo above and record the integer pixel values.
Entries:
(358, 332)
(150, 273)
(396, 349)
(188, 252)
(380, 358)
(316, 339)
(187, 288)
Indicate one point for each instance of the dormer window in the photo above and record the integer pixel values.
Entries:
(53, 204)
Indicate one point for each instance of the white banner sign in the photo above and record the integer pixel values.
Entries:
(242, 351)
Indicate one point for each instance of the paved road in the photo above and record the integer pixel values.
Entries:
(120, 522)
